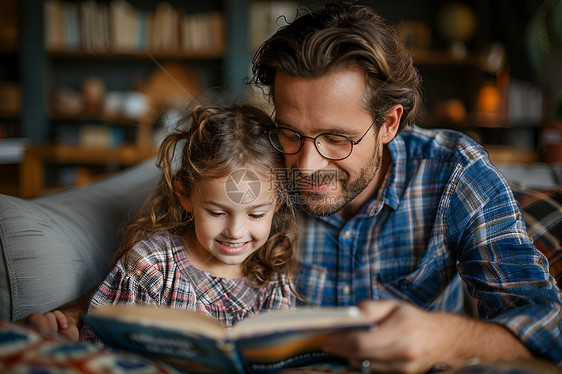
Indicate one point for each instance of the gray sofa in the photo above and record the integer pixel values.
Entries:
(56, 248)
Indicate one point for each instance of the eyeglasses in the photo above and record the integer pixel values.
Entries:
(334, 147)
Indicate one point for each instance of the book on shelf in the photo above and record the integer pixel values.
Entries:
(54, 25)
(192, 342)
(125, 27)
(163, 34)
(119, 27)
(266, 17)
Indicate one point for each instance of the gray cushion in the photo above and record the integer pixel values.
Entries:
(56, 248)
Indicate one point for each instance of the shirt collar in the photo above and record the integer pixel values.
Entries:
(394, 183)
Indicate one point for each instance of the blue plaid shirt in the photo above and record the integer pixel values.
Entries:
(444, 232)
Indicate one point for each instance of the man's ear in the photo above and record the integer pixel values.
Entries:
(184, 201)
(392, 123)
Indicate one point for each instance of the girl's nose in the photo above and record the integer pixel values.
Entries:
(235, 229)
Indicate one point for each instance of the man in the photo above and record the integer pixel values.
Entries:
(398, 213)
(398, 219)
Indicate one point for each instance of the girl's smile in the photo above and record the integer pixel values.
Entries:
(232, 248)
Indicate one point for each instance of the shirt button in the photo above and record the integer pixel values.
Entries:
(347, 234)
(346, 289)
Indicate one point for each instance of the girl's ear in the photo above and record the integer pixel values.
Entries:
(184, 201)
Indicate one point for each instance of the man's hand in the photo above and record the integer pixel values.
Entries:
(409, 339)
(54, 322)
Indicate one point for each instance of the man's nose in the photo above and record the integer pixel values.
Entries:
(308, 159)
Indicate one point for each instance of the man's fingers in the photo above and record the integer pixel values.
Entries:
(386, 342)
(378, 310)
(356, 343)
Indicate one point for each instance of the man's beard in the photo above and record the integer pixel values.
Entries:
(319, 204)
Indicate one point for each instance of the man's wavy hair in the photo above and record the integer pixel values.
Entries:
(211, 142)
(338, 36)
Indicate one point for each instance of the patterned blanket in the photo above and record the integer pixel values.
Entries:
(542, 211)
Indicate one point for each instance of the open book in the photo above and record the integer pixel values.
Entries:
(192, 342)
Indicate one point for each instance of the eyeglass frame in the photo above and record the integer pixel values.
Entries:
(304, 137)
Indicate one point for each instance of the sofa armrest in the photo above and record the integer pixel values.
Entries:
(56, 248)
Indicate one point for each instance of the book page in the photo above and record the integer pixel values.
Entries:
(304, 318)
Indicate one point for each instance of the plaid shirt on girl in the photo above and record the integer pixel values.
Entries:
(443, 229)
(157, 271)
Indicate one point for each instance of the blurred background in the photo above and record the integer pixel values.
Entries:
(88, 87)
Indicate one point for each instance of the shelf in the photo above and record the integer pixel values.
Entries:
(113, 119)
(203, 55)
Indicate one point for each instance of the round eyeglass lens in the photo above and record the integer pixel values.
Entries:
(333, 146)
(285, 140)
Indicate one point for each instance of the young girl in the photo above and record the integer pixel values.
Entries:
(217, 234)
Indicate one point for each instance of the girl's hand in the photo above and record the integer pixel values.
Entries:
(54, 322)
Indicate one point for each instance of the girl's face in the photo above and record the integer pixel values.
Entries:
(230, 221)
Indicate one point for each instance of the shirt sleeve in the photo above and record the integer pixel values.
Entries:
(127, 283)
(504, 272)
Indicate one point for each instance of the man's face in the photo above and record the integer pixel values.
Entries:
(329, 104)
